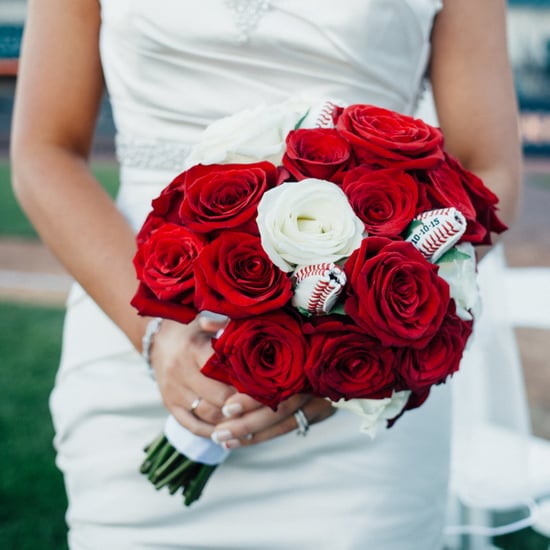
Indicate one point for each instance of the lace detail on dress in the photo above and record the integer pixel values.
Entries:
(247, 14)
(151, 154)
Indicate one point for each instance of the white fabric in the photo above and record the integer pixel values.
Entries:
(171, 67)
(496, 462)
(527, 292)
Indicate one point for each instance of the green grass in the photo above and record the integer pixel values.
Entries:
(13, 221)
(527, 539)
(32, 497)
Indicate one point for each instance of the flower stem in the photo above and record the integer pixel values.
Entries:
(165, 466)
(159, 459)
(152, 451)
(194, 490)
(181, 468)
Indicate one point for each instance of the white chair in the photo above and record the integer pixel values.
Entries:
(498, 465)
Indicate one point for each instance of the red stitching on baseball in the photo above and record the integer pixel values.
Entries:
(311, 270)
(324, 117)
(433, 213)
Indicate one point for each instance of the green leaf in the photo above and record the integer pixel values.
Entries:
(412, 226)
(299, 123)
(304, 312)
(338, 309)
(453, 255)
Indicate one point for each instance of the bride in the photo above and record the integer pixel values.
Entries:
(171, 68)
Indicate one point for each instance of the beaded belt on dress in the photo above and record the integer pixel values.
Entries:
(151, 154)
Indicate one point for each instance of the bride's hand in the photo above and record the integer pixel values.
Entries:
(248, 422)
(177, 355)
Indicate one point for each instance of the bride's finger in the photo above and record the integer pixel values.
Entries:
(214, 391)
(203, 397)
(257, 420)
(194, 424)
(239, 404)
(203, 409)
(212, 323)
(313, 412)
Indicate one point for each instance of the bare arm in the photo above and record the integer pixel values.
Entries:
(475, 97)
(58, 93)
(59, 88)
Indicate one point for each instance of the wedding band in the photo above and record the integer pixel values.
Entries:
(302, 422)
(194, 405)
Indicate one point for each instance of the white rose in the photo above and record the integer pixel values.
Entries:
(258, 134)
(249, 136)
(458, 268)
(307, 222)
(375, 412)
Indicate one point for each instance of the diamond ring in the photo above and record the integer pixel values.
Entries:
(302, 422)
(194, 405)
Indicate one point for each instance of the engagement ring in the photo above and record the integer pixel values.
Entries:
(194, 405)
(302, 422)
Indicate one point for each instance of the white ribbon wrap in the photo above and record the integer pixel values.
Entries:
(195, 447)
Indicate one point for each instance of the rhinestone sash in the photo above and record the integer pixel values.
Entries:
(151, 154)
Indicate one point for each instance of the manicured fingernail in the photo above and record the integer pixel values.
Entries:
(231, 444)
(211, 316)
(220, 436)
(232, 409)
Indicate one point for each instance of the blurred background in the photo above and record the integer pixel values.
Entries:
(33, 287)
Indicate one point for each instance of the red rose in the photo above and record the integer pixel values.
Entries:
(164, 267)
(317, 153)
(394, 293)
(444, 188)
(484, 202)
(225, 196)
(450, 184)
(235, 277)
(261, 356)
(382, 137)
(385, 200)
(422, 368)
(152, 223)
(345, 363)
(168, 203)
(165, 208)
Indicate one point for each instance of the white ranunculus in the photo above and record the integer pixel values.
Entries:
(458, 268)
(375, 412)
(307, 222)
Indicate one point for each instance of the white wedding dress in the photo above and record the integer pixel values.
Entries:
(172, 67)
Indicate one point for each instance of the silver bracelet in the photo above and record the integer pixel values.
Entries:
(153, 326)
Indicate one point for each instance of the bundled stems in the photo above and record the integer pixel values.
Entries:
(165, 466)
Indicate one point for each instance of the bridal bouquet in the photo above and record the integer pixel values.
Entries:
(339, 241)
